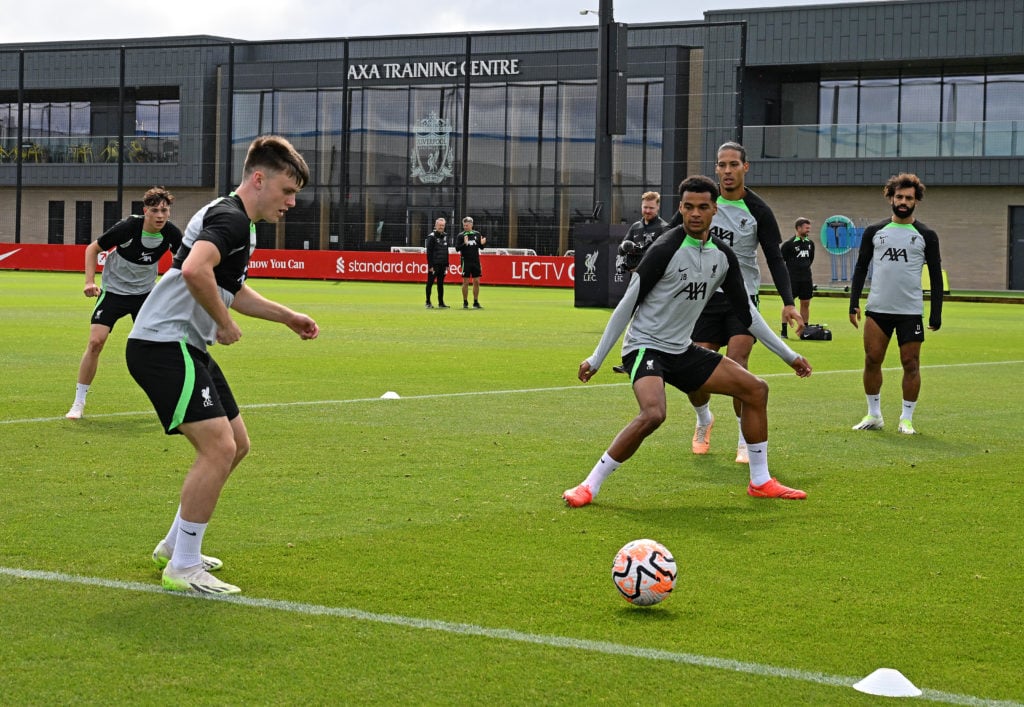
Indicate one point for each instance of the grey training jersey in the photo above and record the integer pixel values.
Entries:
(668, 292)
(743, 224)
(171, 313)
(898, 253)
(132, 268)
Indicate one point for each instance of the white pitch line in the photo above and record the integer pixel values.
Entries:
(604, 647)
(519, 391)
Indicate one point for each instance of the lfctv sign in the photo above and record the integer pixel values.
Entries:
(543, 271)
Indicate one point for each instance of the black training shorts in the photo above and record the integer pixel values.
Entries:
(687, 371)
(111, 306)
(183, 383)
(908, 327)
(718, 322)
(803, 288)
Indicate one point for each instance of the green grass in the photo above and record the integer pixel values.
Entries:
(444, 507)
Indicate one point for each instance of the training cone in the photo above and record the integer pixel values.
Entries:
(390, 395)
(887, 682)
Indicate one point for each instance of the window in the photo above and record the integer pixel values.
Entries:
(58, 130)
(157, 131)
(963, 115)
(55, 223)
(111, 214)
(838, 111)
(577, 106)
(83, 222)
(531, 130)
(1003, 98)
(636, 155)
(920, 115)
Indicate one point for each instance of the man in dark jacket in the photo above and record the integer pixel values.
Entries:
(641, 234)
(437, 262)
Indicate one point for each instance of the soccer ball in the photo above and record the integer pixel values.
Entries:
(644, 572)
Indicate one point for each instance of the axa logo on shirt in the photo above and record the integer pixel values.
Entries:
(895, 254)
(719, 232)
(694, 290)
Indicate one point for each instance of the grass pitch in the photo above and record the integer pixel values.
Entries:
(417, 551)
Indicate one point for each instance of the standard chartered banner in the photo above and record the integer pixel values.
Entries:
(530, 270)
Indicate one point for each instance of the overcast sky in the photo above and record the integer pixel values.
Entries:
(26, 21)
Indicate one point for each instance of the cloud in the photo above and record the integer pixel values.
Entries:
(118, 19)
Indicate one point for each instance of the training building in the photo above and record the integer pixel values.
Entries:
(829, 100)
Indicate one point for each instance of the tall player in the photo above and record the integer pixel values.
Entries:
(743, 221)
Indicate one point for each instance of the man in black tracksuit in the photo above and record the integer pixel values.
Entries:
(437, 262)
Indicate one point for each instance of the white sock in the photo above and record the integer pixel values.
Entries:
(908, 410)
(190, 542)
(81, 390)
(703, 413)
(875, 405)
(601, 471)
(741, 441)
(172, 535)
(758, 463)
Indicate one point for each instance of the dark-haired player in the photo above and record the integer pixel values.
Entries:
(667, 293)
(189, 310)
(898, 248)
(743, 221)
(129, 274)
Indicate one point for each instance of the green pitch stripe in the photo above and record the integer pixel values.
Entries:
(502, 634)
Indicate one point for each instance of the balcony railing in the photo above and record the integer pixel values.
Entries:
(1004, 138)
(90, 150)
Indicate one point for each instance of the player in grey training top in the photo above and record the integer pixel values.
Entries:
(664, 298)
(190, 309)
(898, 249)
(138, 243)
(173, 314)
(745, 222)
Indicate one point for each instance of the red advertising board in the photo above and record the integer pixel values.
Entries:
(527, 270)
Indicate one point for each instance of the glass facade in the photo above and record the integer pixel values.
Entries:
(903, 116)
(85, 131)
(387, 160)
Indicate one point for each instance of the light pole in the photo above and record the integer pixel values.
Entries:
(611, 98)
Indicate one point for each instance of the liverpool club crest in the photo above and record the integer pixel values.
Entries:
(431, 159)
